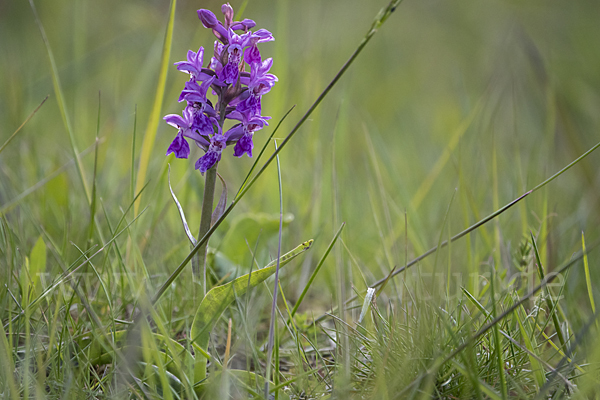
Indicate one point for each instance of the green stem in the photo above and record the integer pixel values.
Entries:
(205, 221)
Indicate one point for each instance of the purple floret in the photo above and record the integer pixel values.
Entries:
(193, 65)
(179, 146)
(213, 155)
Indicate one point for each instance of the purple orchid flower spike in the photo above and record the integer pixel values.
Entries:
(238, 92)
(213, 155)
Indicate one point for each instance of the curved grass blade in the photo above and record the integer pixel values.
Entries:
(220, 208)
(316, 271)
(154, 118)
(536, 367)
(23, 124)
(181, 213)
(549, 302)
(588, 281)
(132, 183)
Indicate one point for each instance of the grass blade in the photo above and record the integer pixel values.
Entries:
(94, 176)
(181, 213)
(60, 98)
(549, 302)
(275, 291)
(316, 271)
(536, 367)
(497, 343)
(23, 124)
(586, 268)
(155, 114)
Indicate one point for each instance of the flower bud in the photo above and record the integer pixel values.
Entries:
(227, 11)
(248, 23)
(209, 20)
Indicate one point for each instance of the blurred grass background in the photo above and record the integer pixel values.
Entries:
(487, 98)
(460, 82)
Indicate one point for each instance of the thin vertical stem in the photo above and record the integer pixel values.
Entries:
(207, 206)
(205, 221)
(274, 305)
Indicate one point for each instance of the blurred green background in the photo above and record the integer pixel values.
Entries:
(485, 97)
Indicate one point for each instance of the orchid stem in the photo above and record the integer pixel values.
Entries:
(205, 222)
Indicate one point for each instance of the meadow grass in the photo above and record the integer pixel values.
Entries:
(441, 155)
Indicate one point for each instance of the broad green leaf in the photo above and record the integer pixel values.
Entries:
(218, 298)
(246, 228)
(222, 265)
(58, 191)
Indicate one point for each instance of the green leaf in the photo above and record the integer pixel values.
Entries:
(99, 352)
(218, 298)
(34, 266)
(246, 228)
